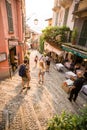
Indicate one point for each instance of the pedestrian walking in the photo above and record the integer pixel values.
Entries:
(47, 64)
(42, 59)
(36, 60)
(77, 85)
(24, 72)
(41, 72)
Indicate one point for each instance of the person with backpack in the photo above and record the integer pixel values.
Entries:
(25, 74)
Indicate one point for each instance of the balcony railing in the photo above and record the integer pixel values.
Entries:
(82, 5)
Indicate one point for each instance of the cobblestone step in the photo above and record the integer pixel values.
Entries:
(31, 110)
(42, 107)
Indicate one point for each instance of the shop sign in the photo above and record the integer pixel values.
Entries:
(3, 56)
(13, 43)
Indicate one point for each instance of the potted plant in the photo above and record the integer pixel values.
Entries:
(74, 36)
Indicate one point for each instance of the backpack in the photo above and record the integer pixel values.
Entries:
(22, 71)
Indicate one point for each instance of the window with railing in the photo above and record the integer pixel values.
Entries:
(9, 16)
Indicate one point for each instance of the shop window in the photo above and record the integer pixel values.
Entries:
(83, 35)
(9, 15)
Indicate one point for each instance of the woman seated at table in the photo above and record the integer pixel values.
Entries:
(77, 67)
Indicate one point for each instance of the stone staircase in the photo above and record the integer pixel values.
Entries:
(31, 110)
(25, 110)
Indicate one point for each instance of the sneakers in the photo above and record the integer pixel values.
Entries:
(70, 99)
(23, 87)
(40, 81)
(74, 99)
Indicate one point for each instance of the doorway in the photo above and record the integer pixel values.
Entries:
(12, 54)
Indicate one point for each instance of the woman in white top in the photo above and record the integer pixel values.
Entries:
(41, 72)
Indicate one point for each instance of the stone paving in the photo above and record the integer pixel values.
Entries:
(30, 110)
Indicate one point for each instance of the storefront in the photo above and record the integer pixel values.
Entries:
(55, 53)
(13, 54)
(79, 56)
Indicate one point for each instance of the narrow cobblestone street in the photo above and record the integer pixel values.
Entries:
(31, 110)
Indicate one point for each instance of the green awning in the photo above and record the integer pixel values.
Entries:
(75, 51)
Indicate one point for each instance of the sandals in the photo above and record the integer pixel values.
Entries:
(28, 87)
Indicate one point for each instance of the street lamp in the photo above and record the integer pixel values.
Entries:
(28, 33)
(35, 21)
(27, 27)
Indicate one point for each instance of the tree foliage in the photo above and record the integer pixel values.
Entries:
(41, 44)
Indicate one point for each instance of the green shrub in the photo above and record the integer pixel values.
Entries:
(41, 44)
(51, 33)
(82, 119)
(67, 121)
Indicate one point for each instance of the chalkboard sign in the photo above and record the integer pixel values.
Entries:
(3, 56)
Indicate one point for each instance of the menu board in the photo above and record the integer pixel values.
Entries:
(3, 56)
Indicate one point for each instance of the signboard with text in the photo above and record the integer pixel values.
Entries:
(13, 43)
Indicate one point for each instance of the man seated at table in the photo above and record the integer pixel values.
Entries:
(77, 85)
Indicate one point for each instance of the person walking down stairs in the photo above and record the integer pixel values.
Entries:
(41, 72)
(24, 72)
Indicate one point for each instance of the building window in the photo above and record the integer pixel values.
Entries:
(9, 15)
(66, 16)
(83, 35)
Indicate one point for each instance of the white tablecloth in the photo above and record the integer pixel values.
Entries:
(59, 66)
(69, 82)
(84, 89)
(70, 74)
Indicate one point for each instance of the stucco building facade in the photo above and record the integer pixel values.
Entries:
(73, 14)
(12, 35)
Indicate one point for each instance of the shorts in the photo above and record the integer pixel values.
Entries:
(25, 79)
(41, 73)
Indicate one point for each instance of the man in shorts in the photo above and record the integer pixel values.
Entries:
(26, 76)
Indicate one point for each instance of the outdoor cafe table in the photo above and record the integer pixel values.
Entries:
(70, 75)
(59, 66)
(67, 84)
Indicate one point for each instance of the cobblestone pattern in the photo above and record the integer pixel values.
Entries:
(30, 110)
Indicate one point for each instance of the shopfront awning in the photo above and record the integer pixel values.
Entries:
(53, 49)
(75, 51)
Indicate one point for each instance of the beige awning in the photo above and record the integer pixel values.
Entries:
(53, 49)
